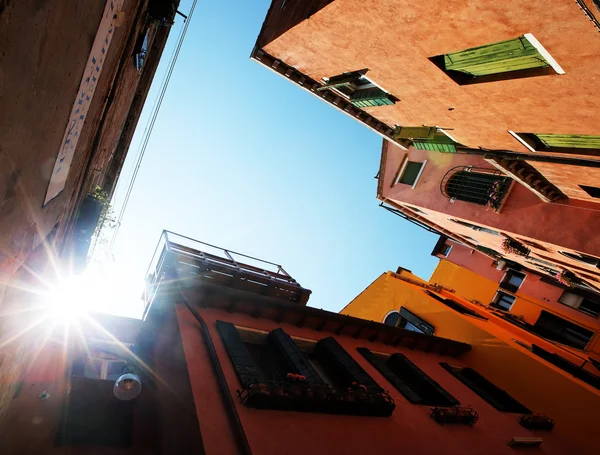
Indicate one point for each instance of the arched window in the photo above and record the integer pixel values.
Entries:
(480, 187)
(391, 318)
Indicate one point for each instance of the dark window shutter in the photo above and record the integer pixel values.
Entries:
(247, 371)
(490, 392)
(295, 360)
(331, 353)
(401, 362)
(388, 374)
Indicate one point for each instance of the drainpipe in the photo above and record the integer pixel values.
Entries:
(232, 414)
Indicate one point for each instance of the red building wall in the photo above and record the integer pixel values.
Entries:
(410, 429)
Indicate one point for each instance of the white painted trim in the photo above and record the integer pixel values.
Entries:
(449, 251)
(402, 169)
(535, 43)
(441, 130)
(419, 174)
(518, 138)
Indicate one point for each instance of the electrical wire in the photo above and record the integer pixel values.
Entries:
(150, 126)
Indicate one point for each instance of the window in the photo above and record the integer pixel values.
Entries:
(455, 306)
(446, 250)
(577, 144)
(586, 258)
(141, 51)
(566, 365)
(475, 185)
(416, 386)
(412, 322)
(409, 172)
(558, 329)
(519, 57)
(512, 280)
(391, 318)
(269, 366)
(503, 301)
(426, 138)
(475, 227)
(491, 393)
(589, 305)
(359, 89)
(593, 191)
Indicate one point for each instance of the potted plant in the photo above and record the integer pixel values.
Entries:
(496, 196)
(513, 246)
(566, 278)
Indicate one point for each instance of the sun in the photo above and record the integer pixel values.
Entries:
(67, 301)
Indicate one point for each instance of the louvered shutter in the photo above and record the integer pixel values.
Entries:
(510, 55)
(414, 132)
(295, 360)
(570, 141)
(392, 378)
(370, 97)
(331, 353)
(245, 368)
(440, 143)
(399, 362)
(491, 393)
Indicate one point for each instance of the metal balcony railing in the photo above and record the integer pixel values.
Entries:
(480, 186)
(179, 257)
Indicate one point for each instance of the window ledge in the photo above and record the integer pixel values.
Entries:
(321, 399)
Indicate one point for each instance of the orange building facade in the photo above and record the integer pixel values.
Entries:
(232, 361)
(466, 102)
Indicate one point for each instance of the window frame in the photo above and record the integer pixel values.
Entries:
(506, 280)
(535, 144)
(389, 313)
(446, 250)
(402, 169)
(368, 84)
(498, 296)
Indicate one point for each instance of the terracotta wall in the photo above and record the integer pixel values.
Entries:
(274, 432)
(348, 35)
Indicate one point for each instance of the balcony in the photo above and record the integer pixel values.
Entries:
(487, 187)
(181, 258)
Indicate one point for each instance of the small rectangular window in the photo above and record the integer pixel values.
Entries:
(519, 57)
(410, 172)
(558, 329)
(586, 305)
(490, 392)
(446, 250)
(512, 281)
(592, 191)
(410, 321)
(359, 89)
(503, 301)
(456, 306)
(416, 386)
(141, 50)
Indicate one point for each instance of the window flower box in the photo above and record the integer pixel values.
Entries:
(536, 422)
(455, 415)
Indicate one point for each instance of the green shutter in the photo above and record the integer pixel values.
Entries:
(441, 143)
(370, 97)
(414, 132)
(510, 55)
(342, 80)
(570, 141)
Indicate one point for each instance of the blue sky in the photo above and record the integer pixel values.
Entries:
(241, 158)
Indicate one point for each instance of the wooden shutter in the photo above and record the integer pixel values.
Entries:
(332, 354)
(245, 368)
(391, 377)
(401, 363)
(570, 141)
(343, 80)
(414, 132)
(295, 360)
(415, 320)
(440, 143)
(510, 55)
(370, 97)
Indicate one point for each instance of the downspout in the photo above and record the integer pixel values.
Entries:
(232, 414)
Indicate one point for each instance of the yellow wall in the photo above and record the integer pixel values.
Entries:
(539, 385)
(467, 284)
